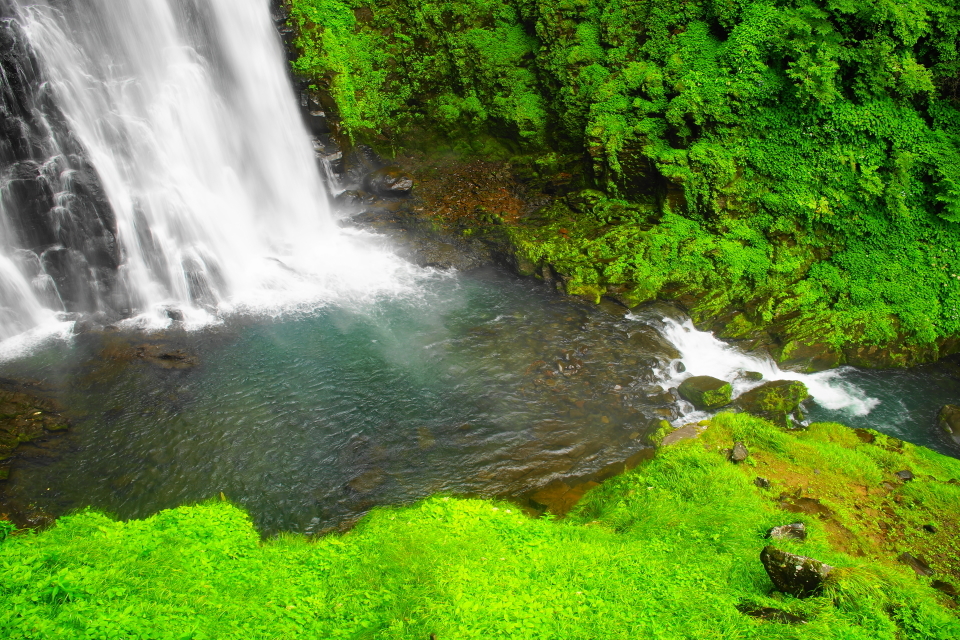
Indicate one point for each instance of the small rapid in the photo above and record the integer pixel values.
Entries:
(703, 354)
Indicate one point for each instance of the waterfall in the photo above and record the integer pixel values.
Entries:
(153, 157)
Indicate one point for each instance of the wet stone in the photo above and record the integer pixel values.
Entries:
(949, 420)
(753, 376)
(798, 576)
(774, 400)
(706, 392)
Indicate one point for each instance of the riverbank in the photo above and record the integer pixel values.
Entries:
(800, 204)
(670, 549)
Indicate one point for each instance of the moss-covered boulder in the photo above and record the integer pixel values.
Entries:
(949, 420)
(778, 395)
(706, 392)
(775, 400)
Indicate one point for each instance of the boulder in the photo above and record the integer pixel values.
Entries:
(906, 475)
(739, 453)
(752, 376)
(778, 395)
(949, 420)
(774, 400)
(796, 575)
(794, 531)
(706, 392)
(389, 181)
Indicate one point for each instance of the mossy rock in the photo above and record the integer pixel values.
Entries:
(949, 420)
(706, 392)
(775, 400)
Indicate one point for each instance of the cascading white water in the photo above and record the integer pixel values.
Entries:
(184, 110)
(704, 355)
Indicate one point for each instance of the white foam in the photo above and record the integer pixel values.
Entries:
(702, 354)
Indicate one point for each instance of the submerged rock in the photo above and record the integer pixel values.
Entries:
(949, 420)
(24, 417)
(706, 392)
(799, 576)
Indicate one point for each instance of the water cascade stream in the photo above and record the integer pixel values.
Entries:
(154, 162)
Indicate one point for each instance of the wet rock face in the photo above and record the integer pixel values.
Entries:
(798, 576)
(706, 392)
(949, 420)
(389, 181)
(52, 199)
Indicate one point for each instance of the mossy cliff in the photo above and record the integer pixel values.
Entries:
(789, 169)
(670, 550)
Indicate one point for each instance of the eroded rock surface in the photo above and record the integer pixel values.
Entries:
(799, 576)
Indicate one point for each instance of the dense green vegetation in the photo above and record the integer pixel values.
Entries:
(666, 551)
(796, 161)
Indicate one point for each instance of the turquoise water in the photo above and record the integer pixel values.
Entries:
(479, 383)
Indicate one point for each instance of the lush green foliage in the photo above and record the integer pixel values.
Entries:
(666, 551)
(806, 152)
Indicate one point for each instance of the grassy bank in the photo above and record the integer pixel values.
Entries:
(666, 551)
(796, 164)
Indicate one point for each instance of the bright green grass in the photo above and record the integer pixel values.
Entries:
(666, 551)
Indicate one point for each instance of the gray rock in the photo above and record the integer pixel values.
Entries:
(796, 575)
(763, 483)
(794, 531)
(739, 453)
(906, 475)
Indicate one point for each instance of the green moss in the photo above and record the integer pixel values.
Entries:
(706, 392)
(802, 158)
